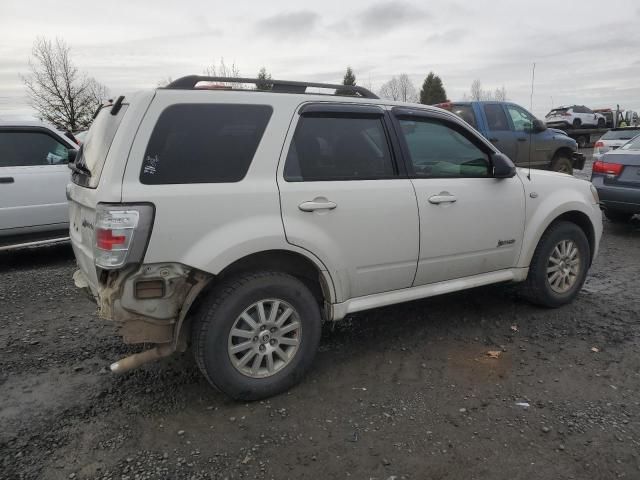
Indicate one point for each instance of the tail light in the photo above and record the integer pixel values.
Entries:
(121, 234)
(606, 168)
(599, 148)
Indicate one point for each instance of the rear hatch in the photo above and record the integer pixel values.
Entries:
(558, 115)
(86, 190)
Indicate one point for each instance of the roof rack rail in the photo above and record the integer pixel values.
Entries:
(278, 86)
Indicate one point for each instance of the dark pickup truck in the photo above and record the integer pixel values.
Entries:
(519, 135)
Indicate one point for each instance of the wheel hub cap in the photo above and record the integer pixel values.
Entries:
(264, 338)
(563, 267)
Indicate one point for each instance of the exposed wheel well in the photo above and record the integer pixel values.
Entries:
(582, 221)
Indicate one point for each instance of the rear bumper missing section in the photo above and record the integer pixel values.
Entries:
(146, 320)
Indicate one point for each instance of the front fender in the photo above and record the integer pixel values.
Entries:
(546, 208)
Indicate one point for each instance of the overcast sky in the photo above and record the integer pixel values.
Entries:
(586, 52)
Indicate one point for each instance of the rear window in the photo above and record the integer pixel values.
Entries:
(465, 112)
(632, 145)
(557, 111)
(204, 143)
(96, 145)
(626, 134)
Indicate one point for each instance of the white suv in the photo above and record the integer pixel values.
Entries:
(238, 221)
(33, 177)
(575, 116)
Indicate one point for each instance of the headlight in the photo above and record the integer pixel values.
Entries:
(596, 197)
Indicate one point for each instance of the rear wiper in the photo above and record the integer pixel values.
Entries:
(77, 167)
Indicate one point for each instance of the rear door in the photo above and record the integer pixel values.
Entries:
(33, 178)
(499, 130)
(345, 198)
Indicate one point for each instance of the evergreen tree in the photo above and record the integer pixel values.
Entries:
(349, 79)
(432, 91)
(264, 77)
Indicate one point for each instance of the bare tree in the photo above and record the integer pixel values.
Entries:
(476, 90)
(58, 91)
(500, 94)
(390, 90)
(224, 70)
(408, 92)
(400, 89)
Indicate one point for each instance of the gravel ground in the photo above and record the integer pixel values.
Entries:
(401, 392)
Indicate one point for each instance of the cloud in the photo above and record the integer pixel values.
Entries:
(453, 35)
(289, 24)
(389, 15)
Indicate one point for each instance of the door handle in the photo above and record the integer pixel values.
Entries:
(317, 204)
(522, 139)
(442, 198)
(6, 180)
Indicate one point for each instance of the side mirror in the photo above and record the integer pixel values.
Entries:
(539, 126)
(72, 153)
(503, 167)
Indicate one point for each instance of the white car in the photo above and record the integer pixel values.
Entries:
(240, 221)
(33, 178)
(613, 139)
(575, 116)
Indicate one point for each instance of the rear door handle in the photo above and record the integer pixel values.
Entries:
(6, 180)
(317, 204)
(442, 198)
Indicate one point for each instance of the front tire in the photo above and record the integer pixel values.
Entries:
(562, 164)
(257, 334)
(559, 266)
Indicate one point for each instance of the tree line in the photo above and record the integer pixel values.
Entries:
(68, 98)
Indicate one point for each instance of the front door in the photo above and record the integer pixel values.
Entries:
(33, 178)
(343, 198)
(533, 148)
(470, 222)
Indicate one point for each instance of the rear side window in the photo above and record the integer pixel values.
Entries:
(330, 148)
(496, 119)
(29, 148)
(204, 143)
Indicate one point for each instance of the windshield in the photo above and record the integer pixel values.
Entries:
(626, 134)
(95, 146)
(632, 145)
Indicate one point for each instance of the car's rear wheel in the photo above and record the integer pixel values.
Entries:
(559, 266)
(257, 334)
(617, 217)
(576, 123)
(601, 123)
(562, 164)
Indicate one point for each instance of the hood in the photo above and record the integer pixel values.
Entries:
(557, 130)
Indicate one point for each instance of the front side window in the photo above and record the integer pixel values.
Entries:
(438, 149)
(522, 120)
(204, 143)
(24, 149)
(339, 148)
(496, 119)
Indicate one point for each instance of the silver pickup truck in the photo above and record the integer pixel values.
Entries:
(33, 179)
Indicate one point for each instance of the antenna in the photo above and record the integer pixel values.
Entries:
(533, 77)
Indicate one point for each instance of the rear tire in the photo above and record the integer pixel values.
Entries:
(577, 123)
(562, 164)
(241, 326)
(563, 250)
(617, 217)
(601, 123)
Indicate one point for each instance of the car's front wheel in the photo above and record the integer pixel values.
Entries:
(559, 266)
(562, 164)
(257, 334)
